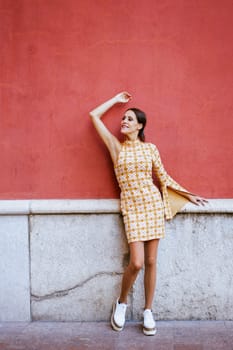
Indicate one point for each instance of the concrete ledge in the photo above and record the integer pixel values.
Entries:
(214, 206)
(14, 207)
(73, 206)
(58, 256)
(96, 206)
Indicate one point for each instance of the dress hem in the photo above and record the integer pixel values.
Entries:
(145, 240)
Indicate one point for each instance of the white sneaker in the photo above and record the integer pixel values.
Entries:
(149, 325)
(118, 316)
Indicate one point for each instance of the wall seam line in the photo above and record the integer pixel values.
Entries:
(29, 256)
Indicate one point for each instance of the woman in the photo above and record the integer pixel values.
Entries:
(142, 206)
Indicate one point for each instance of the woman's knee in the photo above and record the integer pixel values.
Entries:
(136, 265)
(150, 261)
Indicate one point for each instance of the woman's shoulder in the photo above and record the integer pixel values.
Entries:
(152, 148)
(150, 145)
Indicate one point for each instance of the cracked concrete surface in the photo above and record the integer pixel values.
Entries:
(77, 262)
(62, 293)
(68, 267)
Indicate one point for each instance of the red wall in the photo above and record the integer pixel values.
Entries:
(61, 58)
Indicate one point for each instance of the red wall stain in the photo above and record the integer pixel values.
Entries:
(59, 59)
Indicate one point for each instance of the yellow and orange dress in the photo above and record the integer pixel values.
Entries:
(143, 207)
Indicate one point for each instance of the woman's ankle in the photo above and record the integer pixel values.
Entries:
(122, 301)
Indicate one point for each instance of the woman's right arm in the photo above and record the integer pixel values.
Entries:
(96, 114)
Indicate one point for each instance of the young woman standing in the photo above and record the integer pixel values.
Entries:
(143, 208)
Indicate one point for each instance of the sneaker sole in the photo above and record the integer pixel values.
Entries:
(148, 331)
(113, 324)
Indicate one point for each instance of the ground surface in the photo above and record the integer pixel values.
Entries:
(171, 335)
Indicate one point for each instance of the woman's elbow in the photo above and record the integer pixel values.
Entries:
(94, 115)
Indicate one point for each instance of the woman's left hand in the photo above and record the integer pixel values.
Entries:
(197, 200)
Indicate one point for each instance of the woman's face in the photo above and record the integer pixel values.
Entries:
(129, 123)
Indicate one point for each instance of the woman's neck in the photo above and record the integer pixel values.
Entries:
(132, 137)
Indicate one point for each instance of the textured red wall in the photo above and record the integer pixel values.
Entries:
(61, 58)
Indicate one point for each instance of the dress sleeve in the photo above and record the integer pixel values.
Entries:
(172, 192)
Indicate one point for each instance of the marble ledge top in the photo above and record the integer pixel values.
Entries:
(95, 206)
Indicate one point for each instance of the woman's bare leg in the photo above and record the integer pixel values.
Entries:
(135, 264)
(151, 250)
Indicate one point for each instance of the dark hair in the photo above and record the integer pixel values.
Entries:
(141, 118)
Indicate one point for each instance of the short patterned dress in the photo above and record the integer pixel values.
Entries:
(144, 207)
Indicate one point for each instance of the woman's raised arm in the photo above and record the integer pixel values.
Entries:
(96, 114)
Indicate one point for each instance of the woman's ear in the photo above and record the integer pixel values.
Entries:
(140, 126)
